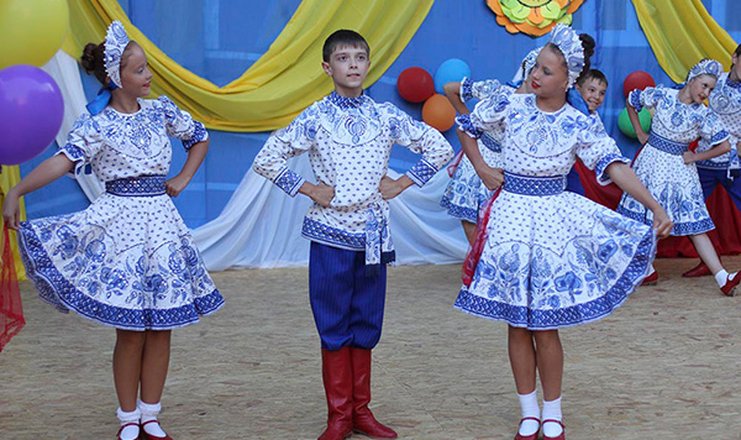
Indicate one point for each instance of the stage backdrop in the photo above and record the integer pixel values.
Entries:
(219, 40)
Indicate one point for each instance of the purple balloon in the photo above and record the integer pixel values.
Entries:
(31, 110)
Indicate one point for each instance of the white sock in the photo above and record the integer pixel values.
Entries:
(150, 411)
(529, 408)
(552, 411)
(722, 276)
(130, 432)
(651, 271)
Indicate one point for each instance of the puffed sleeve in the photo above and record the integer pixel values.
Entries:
(596, 148)
(420, 138)
(488, 115)
(471, 89)
(298, 138)
(84, 142)
(648, 97)
(712, 130)
(180, 124)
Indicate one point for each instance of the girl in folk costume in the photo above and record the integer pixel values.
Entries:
(548, 259)
(668, 169)
(725, 102)
(128, 260)
(465, 195)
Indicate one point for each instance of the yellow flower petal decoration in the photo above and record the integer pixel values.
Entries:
(533, 17)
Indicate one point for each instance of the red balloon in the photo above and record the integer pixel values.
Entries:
(637, 80)
(415, 84)
(439, 113)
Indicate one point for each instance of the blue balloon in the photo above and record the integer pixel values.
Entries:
(452, 70)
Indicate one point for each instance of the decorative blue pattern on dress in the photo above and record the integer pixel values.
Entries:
(143, 186)
(719, 137)
(634, 98)
(289, 181)
(601, 167)
(679, 229)
(667, 145)
(199, 134)
(465, 124)
(559, 317)
(534, 185)
(466, 89)
(470, 215)
(61, 292)
(490, 143)
(421, 172)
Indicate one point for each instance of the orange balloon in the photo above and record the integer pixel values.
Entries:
(438, 112)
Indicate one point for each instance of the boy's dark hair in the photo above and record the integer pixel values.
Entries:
(343, 37)
(592, 74)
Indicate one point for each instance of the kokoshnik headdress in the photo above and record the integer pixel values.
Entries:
(568, 42)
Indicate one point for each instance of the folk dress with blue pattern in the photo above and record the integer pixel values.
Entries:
(660, 165)
(552, 258)
(725, 101)
(466, 194)
(349, 142)
(128, 260)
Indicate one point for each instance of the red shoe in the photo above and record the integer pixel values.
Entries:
(146, 436)
(124, 426)
(651, 279)
(531, 436)
(729, 288)
(362, 418)
(701, 270)
(338, 388)
(561, 436)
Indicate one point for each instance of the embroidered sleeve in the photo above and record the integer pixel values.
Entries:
(180, 124)
(598, 150)
(484, 89)
(712, 130)
(271, 162)
(421, 139)
(648, 97)
(488, 115)
(83, 143)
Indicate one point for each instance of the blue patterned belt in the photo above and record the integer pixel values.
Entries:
(142, 186)
(534, 185)
(666, 145)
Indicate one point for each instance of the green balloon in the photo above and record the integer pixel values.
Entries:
(627, 128)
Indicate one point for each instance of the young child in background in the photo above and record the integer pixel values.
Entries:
(466, 194)
(128, 260)
(349, 137)
(725, 102)
(667, 167)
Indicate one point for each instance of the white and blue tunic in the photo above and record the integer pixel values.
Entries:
(466, 194)
(660, 165)
(128, 260)
(725, 102)
(552, 258)
(349, 142)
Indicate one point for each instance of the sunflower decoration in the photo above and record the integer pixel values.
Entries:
(533, 17)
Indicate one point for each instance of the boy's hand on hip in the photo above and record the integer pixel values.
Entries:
(322, 194)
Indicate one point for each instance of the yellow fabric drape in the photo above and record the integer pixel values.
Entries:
(9, 177)
(285, 80)
(681, 33)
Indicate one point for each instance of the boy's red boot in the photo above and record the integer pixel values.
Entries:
(363, 420)
(337, 377)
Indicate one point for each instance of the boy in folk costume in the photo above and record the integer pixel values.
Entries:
(349, 138)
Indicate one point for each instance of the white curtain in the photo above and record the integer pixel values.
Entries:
(260, 225)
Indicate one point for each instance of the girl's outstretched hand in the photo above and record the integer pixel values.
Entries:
(11, 210)
(662, 223)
